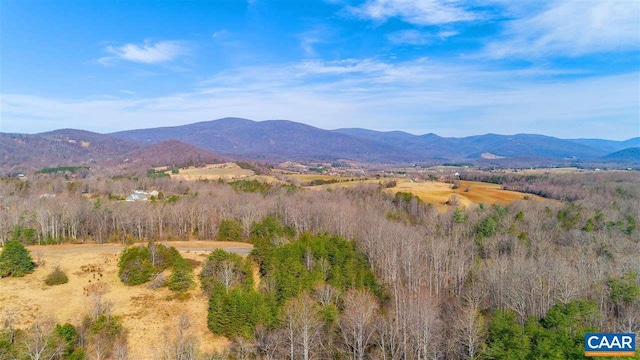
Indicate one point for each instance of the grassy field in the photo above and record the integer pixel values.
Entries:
(438, 193)
(469, 192)
(310, 177)
(563, 170)
(145, 312)
(227, 171)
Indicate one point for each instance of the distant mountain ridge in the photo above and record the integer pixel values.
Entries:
(282, 139)
(631, 155)
(69, 147)
(278, 140)
(60, 148)
(609, 145)
(272, 139)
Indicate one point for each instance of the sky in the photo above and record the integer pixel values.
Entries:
(569, 69)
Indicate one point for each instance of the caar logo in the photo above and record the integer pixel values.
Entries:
(610, 344)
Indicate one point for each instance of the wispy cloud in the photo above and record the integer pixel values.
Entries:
(416, 37)
(409, 37)
(418, 96)
(220, 33)
(339, 67)
(571, 28)
(147, 53)
(314, 36)
(418, 12)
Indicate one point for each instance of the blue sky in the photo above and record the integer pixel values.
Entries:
(455, 68)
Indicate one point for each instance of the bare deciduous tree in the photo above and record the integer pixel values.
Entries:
(357, 321)
(471, 330)
(303, 327)
(41, 342)
(325, 294)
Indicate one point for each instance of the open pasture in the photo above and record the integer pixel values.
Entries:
(92, 271)
(468, 193)
(226, 171)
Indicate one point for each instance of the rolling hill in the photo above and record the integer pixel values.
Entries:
(69, 147)
(166, 153)
(60, 148)
(631, 154)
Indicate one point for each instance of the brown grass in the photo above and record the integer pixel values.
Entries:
(145, 312)
(435, 192)
(438, 193)
(225, 171)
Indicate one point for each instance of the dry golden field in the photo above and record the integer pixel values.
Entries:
(91, 268)
(562, 170)
(438, 193)
(469, 192)
(310, 177)
(225, 171)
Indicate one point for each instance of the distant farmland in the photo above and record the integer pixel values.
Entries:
(226, 171)
(439, 193)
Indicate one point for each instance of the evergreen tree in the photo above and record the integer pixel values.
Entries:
(486, 228)
(181, 274)
(230, 230)
(15, 260)
(507, 339)
(566, 325)
(135, 266)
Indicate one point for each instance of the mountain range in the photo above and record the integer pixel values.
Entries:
(277, 140)
(281, 139)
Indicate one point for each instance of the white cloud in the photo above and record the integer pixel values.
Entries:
(339, 67)
(418, 12)
(417, 96)
(415, 37)
(571, 28)
(220, 33)
(148, 53)
(447, 34)
(409, 37)
(315, 35)
(307, 42)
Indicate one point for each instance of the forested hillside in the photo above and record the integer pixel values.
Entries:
(358, 273)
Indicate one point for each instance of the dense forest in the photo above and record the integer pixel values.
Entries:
(356, 273)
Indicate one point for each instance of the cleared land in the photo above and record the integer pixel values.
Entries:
(438, 193)
(91, 268)
(226, 171)
(468, 193)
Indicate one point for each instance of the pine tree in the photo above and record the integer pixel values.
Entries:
(15, 260)
(507, 338)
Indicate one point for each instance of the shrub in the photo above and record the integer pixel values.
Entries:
(15, 260)
(56, 277)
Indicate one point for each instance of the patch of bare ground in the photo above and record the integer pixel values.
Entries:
(91, 269)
